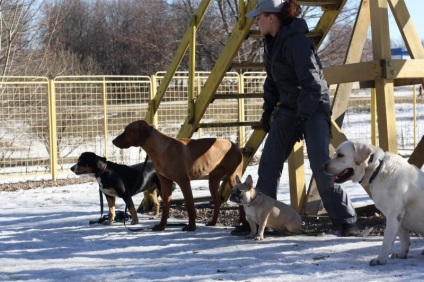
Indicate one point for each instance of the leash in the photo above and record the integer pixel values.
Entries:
(101, 202)
(138, 183)
(102, 170)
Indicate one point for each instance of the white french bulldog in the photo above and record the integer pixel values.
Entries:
(264, 211)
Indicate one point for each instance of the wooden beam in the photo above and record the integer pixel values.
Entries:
(297, 177)
(405, 69)
(384, 87)
(363, 71)
(386, 115)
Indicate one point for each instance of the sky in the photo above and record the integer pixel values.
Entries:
(415, 9)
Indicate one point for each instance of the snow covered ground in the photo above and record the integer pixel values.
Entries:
(45, 236)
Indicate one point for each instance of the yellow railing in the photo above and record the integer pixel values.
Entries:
(46, 124)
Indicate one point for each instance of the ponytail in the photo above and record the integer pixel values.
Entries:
(291, 9)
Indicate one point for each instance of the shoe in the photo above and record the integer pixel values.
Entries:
(350, 229)
(241, 230)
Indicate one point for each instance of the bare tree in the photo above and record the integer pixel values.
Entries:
(19, 37)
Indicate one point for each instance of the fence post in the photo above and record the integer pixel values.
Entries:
(415, 115)
(105, 130)
(192, 70)
(241, 115)
(153, 118)
(51, 97)
(373, 117)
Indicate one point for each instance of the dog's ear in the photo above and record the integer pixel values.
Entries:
(238, 179)
(139, 131)
(362, 152)
(249, 182)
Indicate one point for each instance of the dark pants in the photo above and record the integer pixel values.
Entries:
(277, 149)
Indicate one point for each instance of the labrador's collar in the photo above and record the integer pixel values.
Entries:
(376, 171)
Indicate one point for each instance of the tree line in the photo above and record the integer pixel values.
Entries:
(131, 37)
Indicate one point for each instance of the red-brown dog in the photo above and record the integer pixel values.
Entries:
(182, 160)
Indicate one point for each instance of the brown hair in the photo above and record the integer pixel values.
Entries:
(291, 9)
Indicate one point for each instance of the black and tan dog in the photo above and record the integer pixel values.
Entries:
(117, 180)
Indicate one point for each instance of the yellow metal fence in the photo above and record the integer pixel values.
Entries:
(45, 124)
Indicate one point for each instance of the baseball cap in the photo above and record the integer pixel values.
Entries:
(266, 6)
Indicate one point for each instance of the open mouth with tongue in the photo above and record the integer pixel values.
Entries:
(344, 176)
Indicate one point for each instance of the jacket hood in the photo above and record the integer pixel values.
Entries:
(297, 25)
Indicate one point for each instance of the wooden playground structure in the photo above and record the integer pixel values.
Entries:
(382, 73)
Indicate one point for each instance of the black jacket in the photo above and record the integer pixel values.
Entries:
(294, 72)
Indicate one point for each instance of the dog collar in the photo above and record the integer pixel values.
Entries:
(376, 171)
(255, 200)
(102, 170)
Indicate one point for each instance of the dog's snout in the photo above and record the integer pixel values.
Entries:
(235, 195)
(121, 142)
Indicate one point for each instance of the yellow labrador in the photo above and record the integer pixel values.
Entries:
(397, 189)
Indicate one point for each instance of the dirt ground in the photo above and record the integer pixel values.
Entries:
(367, 216)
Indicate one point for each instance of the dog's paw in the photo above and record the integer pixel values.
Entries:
(377, 261)
(189, 228)
(211, 223)
(134, 222)
(107, 222)
(259, 238)
(158, 227)
(251, 235)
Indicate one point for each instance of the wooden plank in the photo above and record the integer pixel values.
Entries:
(363, 71)
(297, 177)
(386, 115)
(229, 124)
(399, 69)
(380, 30)
(384, 87)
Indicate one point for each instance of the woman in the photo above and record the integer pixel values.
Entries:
(296, 107)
